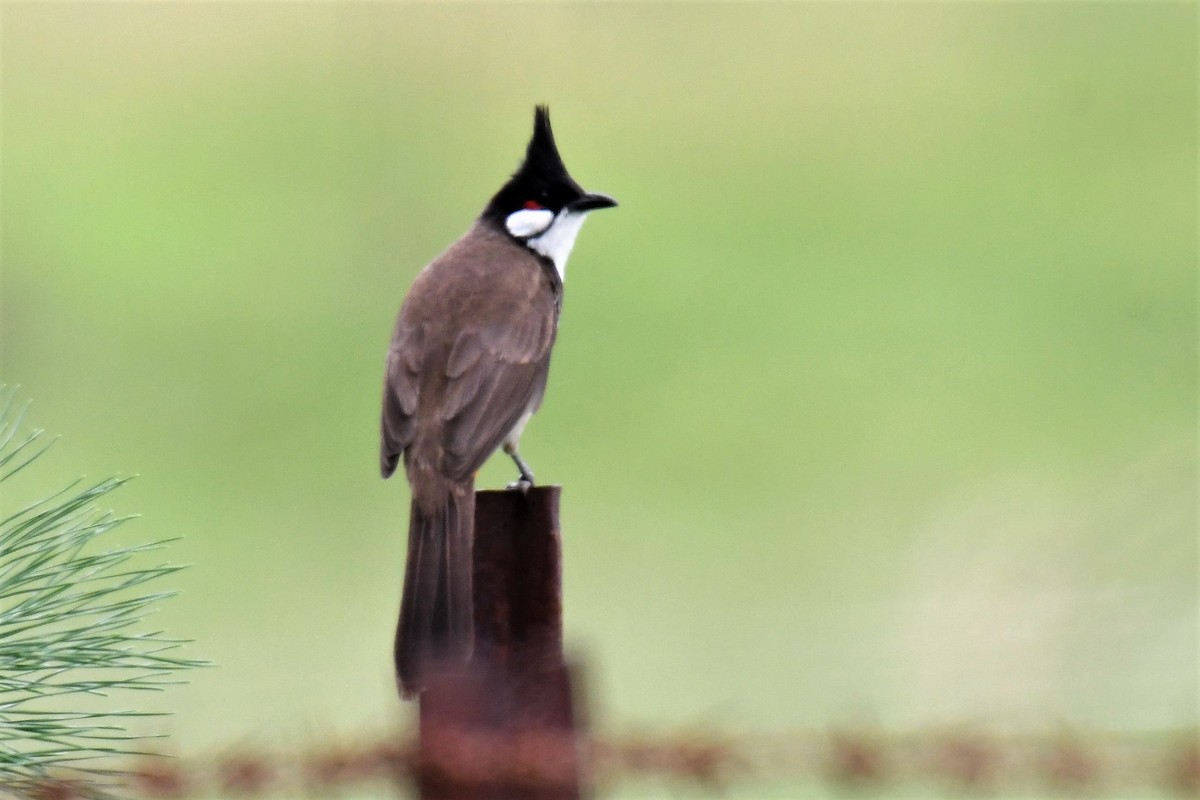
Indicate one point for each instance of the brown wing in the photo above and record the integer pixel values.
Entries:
(469, 356)
(401, 390)
(497, 375)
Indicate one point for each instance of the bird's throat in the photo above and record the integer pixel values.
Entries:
(556, 243)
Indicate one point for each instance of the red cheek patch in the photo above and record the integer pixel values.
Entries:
(533, 205)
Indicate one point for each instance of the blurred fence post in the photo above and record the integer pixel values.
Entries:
(507, 728)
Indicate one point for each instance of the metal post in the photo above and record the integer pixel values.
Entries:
(506, 728)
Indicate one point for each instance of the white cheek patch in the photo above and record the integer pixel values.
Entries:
(528, 222)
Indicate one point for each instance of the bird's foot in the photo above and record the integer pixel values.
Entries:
(522, 484)
(525, 482)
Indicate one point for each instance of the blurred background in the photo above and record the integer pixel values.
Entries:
(875, 402)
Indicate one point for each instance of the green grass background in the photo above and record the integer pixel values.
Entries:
(875, 402)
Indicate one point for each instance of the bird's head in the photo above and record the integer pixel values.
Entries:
(541, 205)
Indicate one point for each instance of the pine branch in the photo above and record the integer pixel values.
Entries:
(70, 614)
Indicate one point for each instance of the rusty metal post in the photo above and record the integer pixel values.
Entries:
(506, 728)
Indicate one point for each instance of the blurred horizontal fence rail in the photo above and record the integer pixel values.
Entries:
(511, 725)
(967, 763)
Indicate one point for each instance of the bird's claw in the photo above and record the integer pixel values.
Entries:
(522, 485)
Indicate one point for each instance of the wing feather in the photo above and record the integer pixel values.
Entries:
(485, 401)
(401, 391)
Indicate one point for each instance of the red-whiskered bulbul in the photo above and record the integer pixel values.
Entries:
(466, 369)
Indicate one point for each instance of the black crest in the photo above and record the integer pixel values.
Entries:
(542, 178)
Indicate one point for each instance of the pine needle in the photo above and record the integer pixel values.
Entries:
(70, 612)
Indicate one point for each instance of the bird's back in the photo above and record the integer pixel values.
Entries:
(469, 352)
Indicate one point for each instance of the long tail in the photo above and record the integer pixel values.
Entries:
(436, 624)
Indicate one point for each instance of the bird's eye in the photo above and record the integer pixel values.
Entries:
(533, 205)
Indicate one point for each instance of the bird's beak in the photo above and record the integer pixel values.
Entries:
(591, 202)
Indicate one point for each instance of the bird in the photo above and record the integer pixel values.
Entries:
(466, 368)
